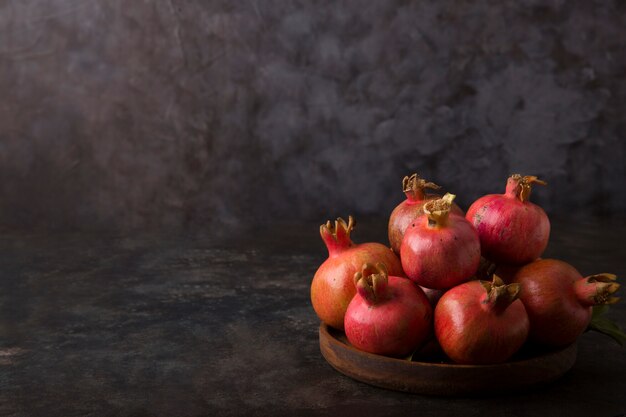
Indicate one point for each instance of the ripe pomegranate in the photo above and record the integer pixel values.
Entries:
(440, 250)
(332, 287)
(559, 300)
(481, 322)
(511, 229)
(389, 315)
(405, 212)
(432, 295)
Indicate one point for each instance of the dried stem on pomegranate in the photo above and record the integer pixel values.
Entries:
(438, 210)
(413, 187)
(520, 186)
(597, 289)
(337, 236)
(499, 296)
(371, 282)
(486, 269)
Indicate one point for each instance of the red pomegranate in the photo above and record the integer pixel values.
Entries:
(389, 315)
(332, 288)
(432, 295)
(440, 249)
(481, 322)
(405, 212)
(512, 230)
(559, 300)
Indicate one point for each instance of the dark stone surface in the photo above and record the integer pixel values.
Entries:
(172, 113)
(164, 325)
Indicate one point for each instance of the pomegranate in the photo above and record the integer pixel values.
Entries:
(511, 229)
(432, 295)
(431, 350)
(481, 322)
(389, 315)
(559, 300)
(405, 212)
(332, 287)
(440, 250)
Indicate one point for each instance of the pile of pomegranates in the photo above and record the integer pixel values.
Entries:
(473, 284)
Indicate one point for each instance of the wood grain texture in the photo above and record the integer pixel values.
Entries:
(188, 326)
(443, 379)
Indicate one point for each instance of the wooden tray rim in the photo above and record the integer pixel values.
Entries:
(444, 379)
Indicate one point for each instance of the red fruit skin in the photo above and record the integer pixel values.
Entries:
(469, 333)
(401, 218)
(394, 327)
(440, 258)
(332, 288)
(404, 214)
(432, 295)
(557, 317)
(510, 231)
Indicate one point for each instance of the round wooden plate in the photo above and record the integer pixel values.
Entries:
(436, 378)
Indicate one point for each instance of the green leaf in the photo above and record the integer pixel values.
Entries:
(602, 324)
(599, 311)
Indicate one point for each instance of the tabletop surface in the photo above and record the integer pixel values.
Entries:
(192, 325)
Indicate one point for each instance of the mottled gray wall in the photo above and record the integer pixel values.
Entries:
(133, 114)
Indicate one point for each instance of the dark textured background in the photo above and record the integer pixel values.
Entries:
(216, 114)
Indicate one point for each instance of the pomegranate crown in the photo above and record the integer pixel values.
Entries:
(605, 287)
(413, 186)
(499, 295)
(337, 236)
(438, 210)
(521, 186)
(371, 282)
(486, 269)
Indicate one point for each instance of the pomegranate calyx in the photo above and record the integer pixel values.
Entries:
(413, 187)
(519, 186)
(486, 269)
(498, 294)
(337, 236)
(438, 210)
(371, 282)
(597, 289)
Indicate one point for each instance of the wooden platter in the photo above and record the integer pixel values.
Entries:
(528, 369)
